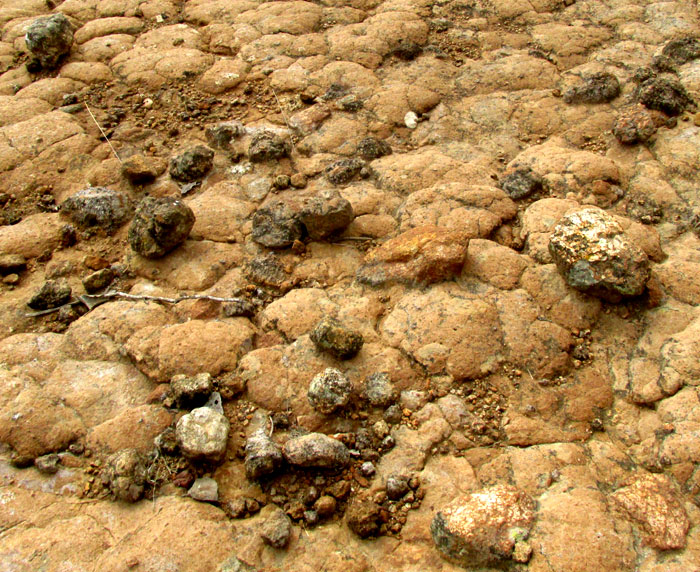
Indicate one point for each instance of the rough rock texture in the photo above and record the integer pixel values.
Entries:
(202, 434)
(192, 164)
(192, 391)
(333, 337)
(125, 475)
(49, 39)
(99, 208)
(597, 88)
(316, 450)
(159, 226)
(485, 527)
(262, 455)
(424, 254)
(329, 391)
(595, 256)
(52, 294)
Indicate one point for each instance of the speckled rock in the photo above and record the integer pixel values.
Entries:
(324, 213)
(596, 88)
(266, 146)
(521, 183)
(202, 435)
(98, 207)
(49, 39)
(329, 391)
(664, 94)
(379, 390)
(276, 225)
(594, 255)
(52, 294)
(331, 336)
(262, 455)
(424, 254)
(316, 450)
(363, 516)
(634, 125)
(159, 226)
(192, 391)
(485, 527)
(277, 529)
(652, 503)
(125, 475)
(192, 164)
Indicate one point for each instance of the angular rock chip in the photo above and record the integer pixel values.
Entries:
(277, 529)
(595, 256)
(333, 337)
(140, 169)
(160, 225)
(202, 435)
(52, 294)
(484, 528)
(98, 281)
(266, 146)
(98, 207)
(192, 390)
(652, 503)
(262, 455)
(316, 450)
(344, 171)
(49, 39)
(125, 475)
(424, 254)
(276, 225)
(521, 183)
(204, 489)
(192, 164)
(363, 516)
(324, 213)
(329, 391)
(379, 390)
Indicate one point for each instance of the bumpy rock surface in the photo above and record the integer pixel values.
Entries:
(663, 94)
(276, 529)
(159, 226)
(52, 294)
(329, 390)
(316, 450)
(331, 336)
(124, 475)
(597, 88)
(49, 39)
(485, 527)
(266, 146)
(202, 434)
(595, 256)
(424, 254)
(262, 455)
(192, 164)
(192, 391)
(99, 208)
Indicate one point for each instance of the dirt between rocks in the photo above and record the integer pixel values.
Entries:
(362, 194)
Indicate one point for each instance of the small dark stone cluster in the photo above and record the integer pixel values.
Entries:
(521, 183)
(49, 39)
(160, 225)
(333, 337)
(596, 88)
(192, 164)
(267, 146)
(372, 148)
(98, 208)
(344, 170)
(664, 94)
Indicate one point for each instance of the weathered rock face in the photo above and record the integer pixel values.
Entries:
(140, 169)
(192, 164)
(98, 208)
(423, 254)
(634, 125)
(316, 450)
(652, 503)
(485, 527)
(52, 294)
(49, 39)
(596, 88)
(159, 226)
(125, 475)
(202, 435)
(329, 391)
(192, 390)
(276, 225)
(595, 256)
(266, 146)
(331, 336)
(276, 529)
(262, 455)
(663, 94)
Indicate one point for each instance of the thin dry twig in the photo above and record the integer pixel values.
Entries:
(103, 133)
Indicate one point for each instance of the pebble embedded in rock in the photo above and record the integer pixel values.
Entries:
(192, 164)
(396, 486)
(276, 225)
(329, 391)
(98, 281)
(325, 506)
(324, 213)
(262, 455)
(634, 125)
(372, 148)
(596, 88)
(277, 529)
(49, 39)
(52, 294)
(98, 207)
(682, 50)
(265, 146)
(222, 134)
(204, 489)
(484, 527)
(316, 450)
(333, 337)
(664, 94)
(202, 435)
(159, 226)
(239, 308)
(140, 169)
(521, 183)
(363, 516)
(47, 464)
(379, 390)
(344, 170)
(124, 474)
(424, 254)
(192, 391)
(595, 256)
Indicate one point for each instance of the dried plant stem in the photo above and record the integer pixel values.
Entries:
(103, 133)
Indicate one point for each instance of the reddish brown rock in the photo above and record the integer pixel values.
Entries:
(652, 503)
(424, 254)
